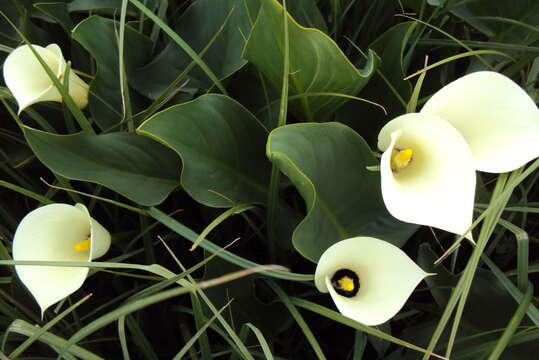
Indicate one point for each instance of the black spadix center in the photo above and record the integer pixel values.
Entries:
(345, 282)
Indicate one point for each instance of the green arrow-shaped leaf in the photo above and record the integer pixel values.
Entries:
(318, 67)
(136, 167)
(327, 164)
(222, 148)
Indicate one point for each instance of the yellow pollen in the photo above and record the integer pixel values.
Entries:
(401, 159)
(345, 283)
(82, 245)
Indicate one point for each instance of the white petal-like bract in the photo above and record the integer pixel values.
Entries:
(386, 278)
(29, 82)
(497, 118)
(437, 187)
(50, 233)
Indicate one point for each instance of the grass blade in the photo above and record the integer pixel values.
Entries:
(262, 340)
(40, 331)
(455, 57)
(42, 199)
(237, 343)
(211, 247)
(454, 39)
(178, 40)
(205, 347)
(56, 342)
(330, 314)
(142, 303)
(523, 242)
(122, 337)
(298, 318)
(513, 324)
(412, 104)
(140, 339)
(200, 331)
(124, 87)
(238, 209)
(533, 312)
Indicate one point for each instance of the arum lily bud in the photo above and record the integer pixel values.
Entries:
(57, 232)
(427, 173)
(499, 121)
(29, 82)
(368, 279)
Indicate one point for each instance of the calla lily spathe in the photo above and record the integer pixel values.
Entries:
(482, 121)
(29, 82)
(437, 186)
(499, 121)
(368, 279)
(57, 232)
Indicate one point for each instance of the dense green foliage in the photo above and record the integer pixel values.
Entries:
(234, 119)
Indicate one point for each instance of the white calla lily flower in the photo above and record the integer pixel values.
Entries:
(427, 173)
(29, 82)
(499, 121)
(57, 232)
(368, 279)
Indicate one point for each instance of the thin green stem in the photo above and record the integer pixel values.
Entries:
(273, 191)
(124, 87)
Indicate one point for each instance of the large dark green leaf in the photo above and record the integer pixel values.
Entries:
(230, 20)
(136, 167)
(222, 148)
(327, 164)
(317, 64)
(98, 36)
